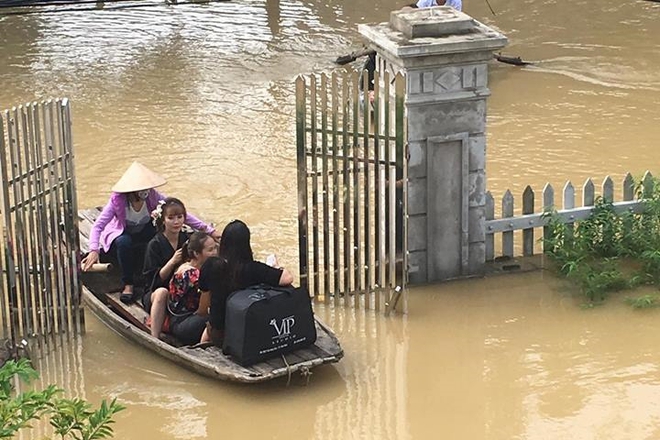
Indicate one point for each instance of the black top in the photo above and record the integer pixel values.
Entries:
(159, 251)
(370, 67)
(213, 277)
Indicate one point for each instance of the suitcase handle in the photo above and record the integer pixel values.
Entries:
(265, 290)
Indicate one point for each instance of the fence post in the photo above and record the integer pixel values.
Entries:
(490, 237)
(608, 189)
(507, 212)
(588, 193)
(569, 203)
(628, 188)
(444, 55)
(528, 208)
(548, 205)
(303, 206)
(647, 185)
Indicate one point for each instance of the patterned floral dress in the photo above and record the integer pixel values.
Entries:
(184, 292)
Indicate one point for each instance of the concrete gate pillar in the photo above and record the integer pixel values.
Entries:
(444, 55)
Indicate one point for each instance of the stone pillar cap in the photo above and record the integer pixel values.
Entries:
(440, 30)
(437, 21)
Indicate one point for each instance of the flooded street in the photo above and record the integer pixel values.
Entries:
(203, 94)
(514, 359)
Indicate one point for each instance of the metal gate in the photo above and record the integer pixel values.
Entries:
(351, 173)
(39, 291)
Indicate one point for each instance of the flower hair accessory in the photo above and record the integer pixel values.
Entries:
(157, 213)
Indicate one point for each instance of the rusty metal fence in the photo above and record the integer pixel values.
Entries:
(39, 290)
(351, 173)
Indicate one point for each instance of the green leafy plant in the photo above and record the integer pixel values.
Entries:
(70, 418)
(651, 263)
(644, 301)
(609, 251)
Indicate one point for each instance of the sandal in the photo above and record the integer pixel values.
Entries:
(127, 297)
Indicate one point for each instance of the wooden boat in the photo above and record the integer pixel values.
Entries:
(101, 296)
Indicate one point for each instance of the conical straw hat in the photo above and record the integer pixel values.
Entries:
(137, 178)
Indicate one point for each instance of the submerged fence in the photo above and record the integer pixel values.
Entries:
(524, 226)
(39, 289)
(351, 165)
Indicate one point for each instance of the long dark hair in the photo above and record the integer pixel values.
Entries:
(165, 205)
(235, 250)
(195, 244)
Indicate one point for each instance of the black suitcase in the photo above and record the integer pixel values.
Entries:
(263, 322)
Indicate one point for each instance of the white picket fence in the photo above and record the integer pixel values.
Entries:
(523, 226)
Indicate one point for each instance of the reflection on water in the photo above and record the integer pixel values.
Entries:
(509, 357)
(374, 372)
(364, 393)
(59, 362)
(204, 95)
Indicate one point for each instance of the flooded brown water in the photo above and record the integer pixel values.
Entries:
(504, 358)
(203, 94)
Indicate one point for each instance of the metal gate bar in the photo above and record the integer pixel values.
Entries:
(39, 290)
(350, 163)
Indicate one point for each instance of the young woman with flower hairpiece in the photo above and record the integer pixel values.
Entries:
(125, 221)
(163, 256)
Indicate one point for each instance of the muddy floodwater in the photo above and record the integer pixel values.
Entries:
(509, 358)
(204, 95)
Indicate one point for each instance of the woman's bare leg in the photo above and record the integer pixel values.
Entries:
(205, 336)
(158, 310)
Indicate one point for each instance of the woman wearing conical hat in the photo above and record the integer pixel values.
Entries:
(126, 220)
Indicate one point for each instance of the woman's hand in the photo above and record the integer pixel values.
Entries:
(91, 259)
(286, 278)
(216, 235)
(177, 257)
(167, 270)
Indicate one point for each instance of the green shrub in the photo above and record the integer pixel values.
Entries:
(644, 301)
(70, 418)
(609, 251)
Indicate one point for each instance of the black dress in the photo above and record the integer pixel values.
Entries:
(159, 251)
(213, 277)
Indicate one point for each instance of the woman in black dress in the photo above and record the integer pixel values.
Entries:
(162, 258)
(233, 269)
